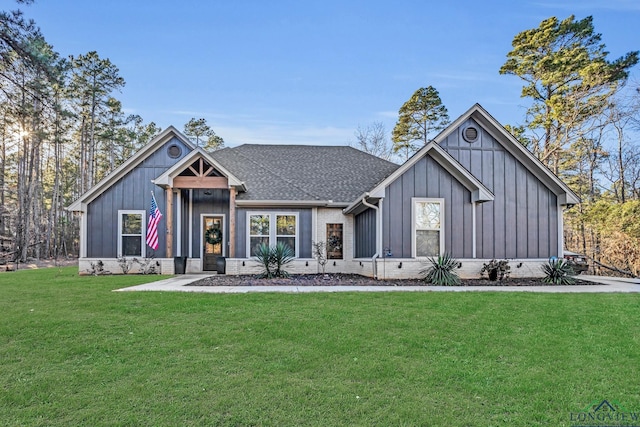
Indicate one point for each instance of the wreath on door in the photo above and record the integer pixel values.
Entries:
(213, 236)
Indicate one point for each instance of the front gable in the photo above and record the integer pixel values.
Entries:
(198, 170)
(497, 199)
(162, 152)
(477, 141)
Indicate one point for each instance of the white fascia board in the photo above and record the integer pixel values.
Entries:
(445, 160)
(351, 206)
(128, 165)
(526, 157)
(479, 193)
(379, 190)
(166, 178)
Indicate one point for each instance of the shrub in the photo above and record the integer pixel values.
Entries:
(320, 254)
(264, 256)
(441, 272)
(273, 259)
(496, 270)
(97, 268)
(282, 255)
(558, 272)
(126, 264)
(148, 266)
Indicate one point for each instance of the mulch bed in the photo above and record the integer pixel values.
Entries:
(355, 280)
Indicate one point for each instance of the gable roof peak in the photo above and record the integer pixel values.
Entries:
(138, 157)
(512, 145)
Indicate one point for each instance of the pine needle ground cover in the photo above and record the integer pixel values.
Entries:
(74, 353)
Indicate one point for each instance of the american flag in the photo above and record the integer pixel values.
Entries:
(152, 226)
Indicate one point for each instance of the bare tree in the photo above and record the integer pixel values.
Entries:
(373, 139)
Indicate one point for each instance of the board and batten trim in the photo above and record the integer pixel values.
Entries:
(560, 231)
(83, 230)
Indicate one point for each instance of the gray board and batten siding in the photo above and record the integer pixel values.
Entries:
(365, 234)
(521, 222)
(131, 192)
(426, 178)
(305, 229)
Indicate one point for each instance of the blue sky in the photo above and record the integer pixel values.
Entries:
(311, 72)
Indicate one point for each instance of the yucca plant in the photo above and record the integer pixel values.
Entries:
(264, 256)
(282, 254)
(441, 272)
(558, 272)
(273, 259)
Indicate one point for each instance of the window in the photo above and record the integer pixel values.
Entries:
(334, 241)
(428, 236)
(286, 230)
(131, 233)
(272, 228)
(258, 232)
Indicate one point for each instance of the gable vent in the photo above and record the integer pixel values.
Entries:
(470, 134)
(174, 151)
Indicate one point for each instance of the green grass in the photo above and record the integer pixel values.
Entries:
(74, 353)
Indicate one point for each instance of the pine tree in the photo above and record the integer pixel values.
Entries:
(419, 117)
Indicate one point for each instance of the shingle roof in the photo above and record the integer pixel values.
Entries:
(303, 172)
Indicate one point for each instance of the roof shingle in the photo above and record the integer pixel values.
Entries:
(303, 172)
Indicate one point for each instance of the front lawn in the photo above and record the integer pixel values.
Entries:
(74, 353)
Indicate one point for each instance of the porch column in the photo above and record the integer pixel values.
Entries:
(232, 222)
(169, 193)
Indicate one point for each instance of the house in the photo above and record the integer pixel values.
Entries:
(473, 192)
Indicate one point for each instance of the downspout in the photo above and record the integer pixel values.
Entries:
(378, 233)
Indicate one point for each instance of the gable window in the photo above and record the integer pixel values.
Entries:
(334, 241)
(131, 233)
(427, 227)
(272, 228)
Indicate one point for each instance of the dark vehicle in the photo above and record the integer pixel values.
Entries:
(577, 261)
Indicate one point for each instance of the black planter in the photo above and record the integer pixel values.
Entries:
(179, 265)
(221, 265)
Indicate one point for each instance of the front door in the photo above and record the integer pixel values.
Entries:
(213, 240)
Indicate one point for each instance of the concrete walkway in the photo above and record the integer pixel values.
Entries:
(180, 284)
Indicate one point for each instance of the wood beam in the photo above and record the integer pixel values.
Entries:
(200, 182)
(232, 222)
(169, 195)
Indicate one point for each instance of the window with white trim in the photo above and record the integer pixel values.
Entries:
(131, 233)
(427, 227)
(271, 228)
(259, 231)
